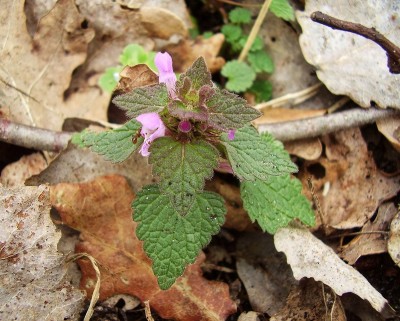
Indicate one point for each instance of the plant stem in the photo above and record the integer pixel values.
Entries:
(255, 29)
(316, 126)
(392, 51)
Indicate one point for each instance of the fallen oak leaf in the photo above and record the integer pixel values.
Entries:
(101, 211)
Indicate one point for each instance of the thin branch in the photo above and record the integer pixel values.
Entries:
(33, 137)
(316, 126)
(44, 139)
(392, 51)
(255, 29)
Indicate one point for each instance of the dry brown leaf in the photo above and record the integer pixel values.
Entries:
(249, 316)
(368, 242)
(394, 239)
(347, 182)
(311, 258)
(101, 211)
(311, 301)
(134, 77)
(264, 272)
(308, 148)
(36, 72)
(16, 173)
(188, 50)
(390, 127)
(75, 165)
(32, 271)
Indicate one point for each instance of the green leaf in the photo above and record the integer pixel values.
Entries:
(207, 34)
(240, 15)
(240, 75)
(282, 9)
(258, 43)
(228, 111)
(115, 145)
(109, 80)
(171, 240)
(260, 61)
(132, 55)
(143, 100)
(231, 32)
(262, 89)
(275, 202)
(254, 157)
(198, 74)
(183, 168)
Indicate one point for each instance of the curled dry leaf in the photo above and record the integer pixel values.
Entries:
(134, 77)
(347, 182)
(394, 239)
(101, 211)
(309, 257)
(32, 271)
(368, 242)
(36, 72)
(349, 64)
(390, 127)
(16, 173)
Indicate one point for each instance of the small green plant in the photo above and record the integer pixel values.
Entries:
(188, 127)
(132, 55)
(242, 75)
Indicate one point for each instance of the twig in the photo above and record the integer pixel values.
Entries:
(313, 127)
(255, 29)
(392, 51)
(234, 3)
(33, 137)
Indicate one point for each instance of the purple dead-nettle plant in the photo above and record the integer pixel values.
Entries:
(187, 128)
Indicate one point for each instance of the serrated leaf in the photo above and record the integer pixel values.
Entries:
(275, 202)
(228, 111)
(260, 61)
(198, 74)
(231, 32)
(115, 145)
(132, 55)
(109, 80)
(282, 9)
(240, 15)
(254, 157)
(262, 89)
(240, 75)
(178, 109)
(152, 99)
(183, 168)
(258, 43)
(171, 240)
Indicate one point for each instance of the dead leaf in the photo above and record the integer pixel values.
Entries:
(75, 165)
(35, 73)
(101, 211)
(32, 271)
(188, 50)
(134, 77)
(308, 148)
(311, 301)
(16, 173)
(249, 316)
(309, 257)
(264, 272)
(394, 239)
(347, 182)
(369, 243)
(349, 64)
(390, 127)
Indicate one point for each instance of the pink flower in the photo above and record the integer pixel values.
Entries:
(152, 128)
(185, 126)
(166, 74)
(231, 134)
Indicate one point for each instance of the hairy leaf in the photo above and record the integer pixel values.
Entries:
(171, 240)
(282, 9)
(260, 61)
(198, 74)
(240, 75)
(240, 15)
(182, 167)
(273, 203)
(228, 111)
(115, 145)
(143, 100)
(254, 157)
